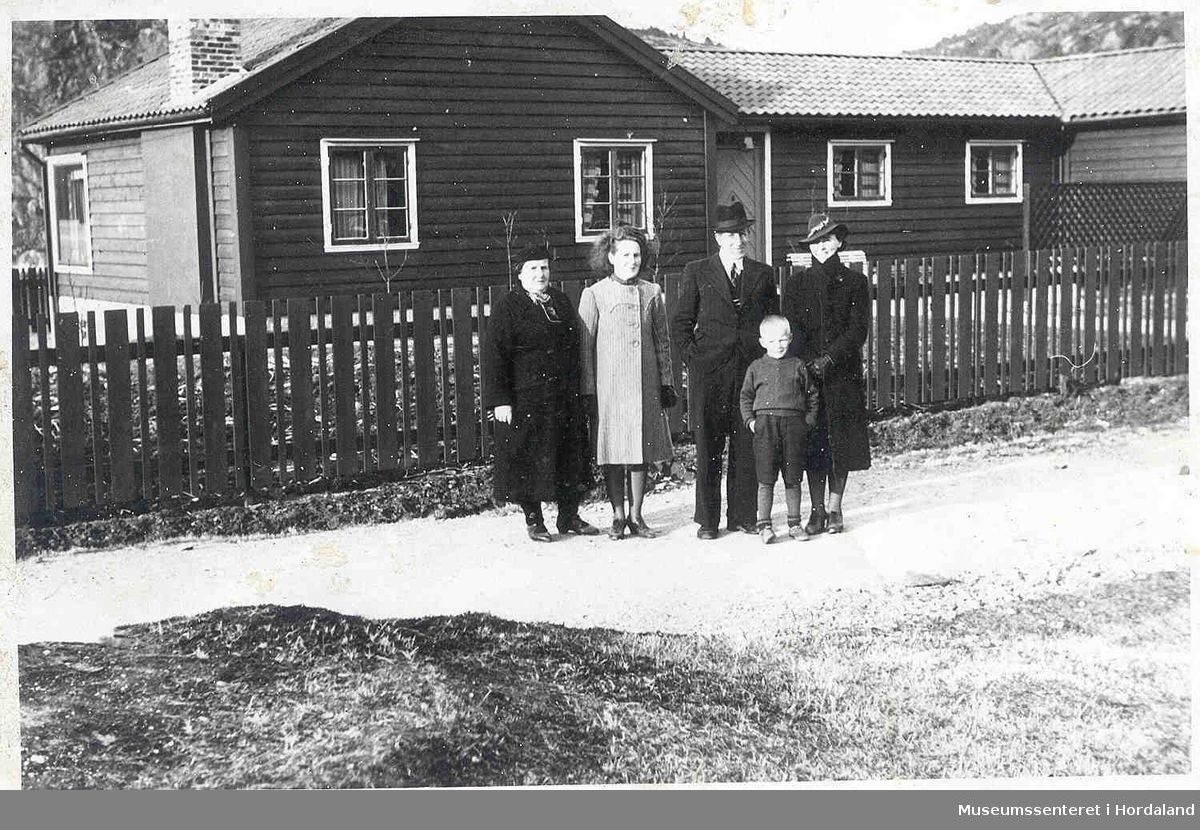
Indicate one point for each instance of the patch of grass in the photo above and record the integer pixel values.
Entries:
(1133, 402)
(1091, 683)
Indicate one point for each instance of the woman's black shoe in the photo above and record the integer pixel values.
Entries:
(579, 527)
(817, 521)
(538, 533)
(640, 528)
(617, 530)
(835, 522)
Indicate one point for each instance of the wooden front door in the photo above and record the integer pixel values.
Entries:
(740, 159)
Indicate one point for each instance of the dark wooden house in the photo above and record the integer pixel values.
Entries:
(265, 158)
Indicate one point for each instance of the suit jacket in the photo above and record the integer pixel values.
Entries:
(711, 330)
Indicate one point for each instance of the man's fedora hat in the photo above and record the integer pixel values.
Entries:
(819, 224)
(731, 218)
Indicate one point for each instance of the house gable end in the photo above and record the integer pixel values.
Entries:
(249, 90)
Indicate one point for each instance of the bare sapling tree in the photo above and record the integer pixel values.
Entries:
(663, 237)
(509, 222)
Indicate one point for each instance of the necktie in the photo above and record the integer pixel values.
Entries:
(736, 288)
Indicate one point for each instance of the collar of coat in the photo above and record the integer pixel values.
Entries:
(832, 267)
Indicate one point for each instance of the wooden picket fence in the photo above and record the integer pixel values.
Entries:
(306, 392)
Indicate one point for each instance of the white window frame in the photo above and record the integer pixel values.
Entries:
(647, 145)
(885, 174)
(1018, 173)
(69, 160)
(414, 240)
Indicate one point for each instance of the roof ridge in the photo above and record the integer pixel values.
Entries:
(1108, 53)
(92, 90)
(955, 58)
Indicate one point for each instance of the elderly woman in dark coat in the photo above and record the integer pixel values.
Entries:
(532, 371)
(829, 308)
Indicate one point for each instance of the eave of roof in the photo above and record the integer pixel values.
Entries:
(268, 42)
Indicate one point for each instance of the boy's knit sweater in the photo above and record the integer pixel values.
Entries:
(779, 386)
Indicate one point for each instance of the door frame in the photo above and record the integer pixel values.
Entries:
(766, 218)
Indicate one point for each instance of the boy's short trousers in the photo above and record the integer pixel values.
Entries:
(779, 444)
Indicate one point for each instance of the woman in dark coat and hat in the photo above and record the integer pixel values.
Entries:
(532, 373)
(829, 308)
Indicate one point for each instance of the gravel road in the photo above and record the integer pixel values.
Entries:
(1039, 514)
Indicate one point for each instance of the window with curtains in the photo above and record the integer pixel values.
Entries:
(859, 173)
(72, 242)
(614, 182)
(993, 171)
(369, 194)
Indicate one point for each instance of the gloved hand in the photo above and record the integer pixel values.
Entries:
(750, 424)
(667, 397)
(811, 419)
(821, 365)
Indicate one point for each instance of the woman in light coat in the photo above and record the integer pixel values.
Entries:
(626, 355)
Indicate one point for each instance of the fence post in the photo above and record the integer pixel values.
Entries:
(884, 378)
(1016, 323)
(24, 457)
(300, 376)
(1158, 352)
(1137, 295)
(258, 400)
(212, 393)
(913, 365)
(425, 385)
(964, 339)
(940, 267)
(345, 423)
(166, 400)
(1180, 341)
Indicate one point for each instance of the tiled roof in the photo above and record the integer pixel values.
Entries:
(781, 83)
(144, 92)
(1117, 84)
(1138, 81)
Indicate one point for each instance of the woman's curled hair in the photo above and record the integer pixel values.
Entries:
(606, 243)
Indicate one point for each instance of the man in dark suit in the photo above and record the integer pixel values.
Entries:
(724, 298)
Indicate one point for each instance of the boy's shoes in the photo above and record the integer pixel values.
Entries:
(798, 533)
(817, 520)
(767, 534)
(706, 532)
(835, 522)
(744, 528)
(538, 533)
(577, 526)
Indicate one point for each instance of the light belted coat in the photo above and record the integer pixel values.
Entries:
(626, 361)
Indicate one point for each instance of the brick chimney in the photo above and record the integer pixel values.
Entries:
(202, 51)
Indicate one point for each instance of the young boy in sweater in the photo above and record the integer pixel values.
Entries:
(779, 405)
